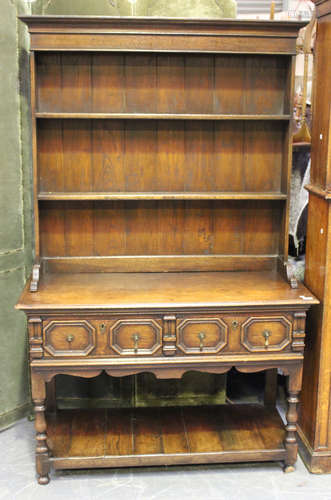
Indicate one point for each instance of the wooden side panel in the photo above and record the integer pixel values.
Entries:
(311, 373)
(163, 83)
(316, 248)
(134, 228)
(162, 156)
(34, 153)
(321, 143)
(315, 414)
(315, 278)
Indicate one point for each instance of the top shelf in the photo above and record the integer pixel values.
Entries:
(160, 116)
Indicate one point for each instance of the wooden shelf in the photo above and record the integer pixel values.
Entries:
(161, 196)
(162, 290)
(160, 116)
(165, 436)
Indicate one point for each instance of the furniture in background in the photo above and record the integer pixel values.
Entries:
(315, 411)
(162, 155)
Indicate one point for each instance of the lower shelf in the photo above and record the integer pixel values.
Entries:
(165, 436)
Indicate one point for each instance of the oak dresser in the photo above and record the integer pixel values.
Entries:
(162, 155)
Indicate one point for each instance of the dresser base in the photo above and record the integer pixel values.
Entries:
(102, 323)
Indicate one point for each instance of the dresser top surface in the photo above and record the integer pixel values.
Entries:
(163, 290)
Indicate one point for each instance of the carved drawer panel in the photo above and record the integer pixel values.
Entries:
(261, 334)
(202, 335)
(135, 337)
(69, 338)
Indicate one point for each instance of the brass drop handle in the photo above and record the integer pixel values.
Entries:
(70, 338)
(201, 337)
(135, 338)
(266, 334)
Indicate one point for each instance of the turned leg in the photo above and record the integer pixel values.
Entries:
(291, 444)
(38, 387)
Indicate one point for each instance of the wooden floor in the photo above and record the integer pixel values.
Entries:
(165, 436)
(168, 290)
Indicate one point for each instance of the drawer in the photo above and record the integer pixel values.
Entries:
(129, 337)
(261, 334)
(223, 334)
(68, 338)
(202, 335)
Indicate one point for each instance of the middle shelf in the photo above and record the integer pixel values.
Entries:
(160, 196)
(163, 116)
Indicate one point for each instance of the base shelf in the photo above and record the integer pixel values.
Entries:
(165, 436)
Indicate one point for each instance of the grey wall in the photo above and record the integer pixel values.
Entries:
(15, 210)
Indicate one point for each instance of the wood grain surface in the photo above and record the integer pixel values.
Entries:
(149, 431)
(170, 290)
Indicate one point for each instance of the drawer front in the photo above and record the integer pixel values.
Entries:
(202, 335)
(173, 335)
(262, 334)
(69, 338)
(130, 337)
(240, 333)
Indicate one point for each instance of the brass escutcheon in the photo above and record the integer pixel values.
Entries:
(235, 324)
(102, 328)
